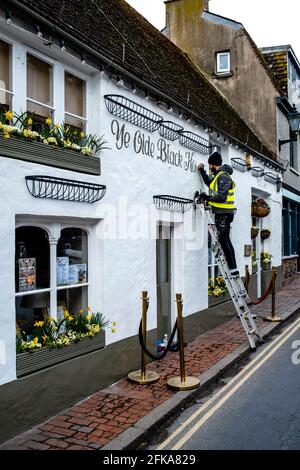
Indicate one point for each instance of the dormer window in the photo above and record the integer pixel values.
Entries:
(223, 62)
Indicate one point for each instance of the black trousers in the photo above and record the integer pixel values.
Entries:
(223, 222)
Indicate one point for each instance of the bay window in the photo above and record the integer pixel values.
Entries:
(39, 88)
(75, 102)
(51, 275)
(5, 76)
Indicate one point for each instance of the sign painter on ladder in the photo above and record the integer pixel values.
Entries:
(221, 199)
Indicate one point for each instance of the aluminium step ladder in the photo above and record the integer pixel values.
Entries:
(235, 286)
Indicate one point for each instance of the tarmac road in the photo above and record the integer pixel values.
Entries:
(257, 409)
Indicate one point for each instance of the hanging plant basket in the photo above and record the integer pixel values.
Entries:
(258, 210)
(254, 232)
(264, 234)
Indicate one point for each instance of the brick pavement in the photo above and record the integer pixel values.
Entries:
(95, 421)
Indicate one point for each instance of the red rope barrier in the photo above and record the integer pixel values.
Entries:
(261, 299)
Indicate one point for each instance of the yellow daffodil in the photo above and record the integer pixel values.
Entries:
(113, 330)
(66, 314)
(29, 122)
(51, 319)
(48, 121)
(35, 340)
(9, 115)
(6, 136)
(70, 318)
(88, 318)
(81, 311)
(44, 337)
(89, 309)
(81, 134)
(39, 324)
(57, 126)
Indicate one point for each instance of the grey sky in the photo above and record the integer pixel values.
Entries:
(269, 22)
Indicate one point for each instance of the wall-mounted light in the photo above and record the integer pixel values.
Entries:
(8, 16)
(83, 59)
(294, 121)
(279, 184)
(38, 31)
(62, 45)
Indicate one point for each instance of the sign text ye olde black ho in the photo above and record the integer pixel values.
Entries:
(143, 145)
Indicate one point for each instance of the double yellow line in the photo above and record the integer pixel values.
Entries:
(254, 365)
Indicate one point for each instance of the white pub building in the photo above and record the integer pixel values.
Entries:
(91, 227)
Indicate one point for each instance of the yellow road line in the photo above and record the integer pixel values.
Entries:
(228, 385)
(204, 418)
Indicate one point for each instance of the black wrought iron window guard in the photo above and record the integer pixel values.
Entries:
(172, 203)
(257, 171)
(195, 142)
(239, 164)
(170, 130)
(270, 177)
(130, 111)
(64, 189)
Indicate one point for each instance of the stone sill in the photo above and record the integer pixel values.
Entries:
(36, 152)
(289, 257)
(223, 75)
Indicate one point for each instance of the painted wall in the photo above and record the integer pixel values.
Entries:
(202, 36)
(122, 256)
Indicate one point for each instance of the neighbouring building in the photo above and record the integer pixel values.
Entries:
(75, 233)
(285, 66)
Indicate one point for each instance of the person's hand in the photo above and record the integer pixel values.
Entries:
(201, 167)
(204, 197)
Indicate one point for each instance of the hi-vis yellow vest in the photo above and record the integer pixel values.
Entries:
(229, 203)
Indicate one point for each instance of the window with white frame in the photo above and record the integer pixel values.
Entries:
(75, 102)
(5, 75)
(223, 62)
(39, 87)
(213, 270)
(46, 276)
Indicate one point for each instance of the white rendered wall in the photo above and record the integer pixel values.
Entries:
(123, 260)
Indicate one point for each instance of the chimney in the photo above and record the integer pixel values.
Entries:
(182, 21)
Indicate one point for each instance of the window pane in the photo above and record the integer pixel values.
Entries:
(32, 308)
(74, 95)
(5, 81)
(32, 259)
(223, 61)
(39, 80)
(39, 112)
(72, 257)
(72, 300)
(74, 123)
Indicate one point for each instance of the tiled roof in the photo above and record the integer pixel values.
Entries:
(106, 26)
(278, 64)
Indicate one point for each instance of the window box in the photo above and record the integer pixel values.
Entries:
(266, 265)
(29, 362)
(214, 300)
(37, 152)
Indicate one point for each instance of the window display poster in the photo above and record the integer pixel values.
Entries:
(27, 274)
(77, 273)
(62, 270)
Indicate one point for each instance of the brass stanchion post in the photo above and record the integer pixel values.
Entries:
(183, 382)
(273, 317)
(142, 376)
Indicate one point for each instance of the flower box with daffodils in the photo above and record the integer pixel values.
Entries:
(217, 291)
(51, 144)
(52, 342)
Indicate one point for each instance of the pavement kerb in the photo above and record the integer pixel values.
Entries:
(136, 434)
